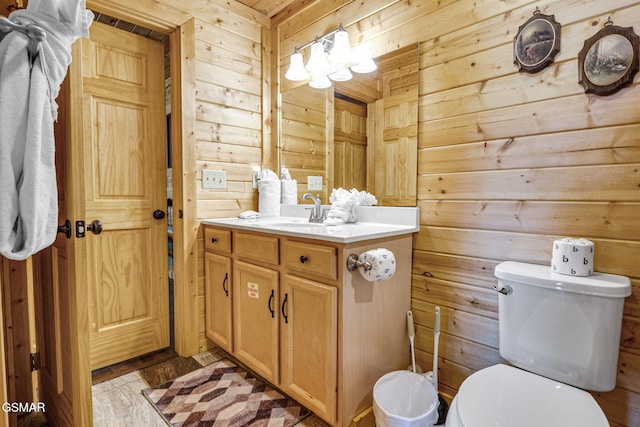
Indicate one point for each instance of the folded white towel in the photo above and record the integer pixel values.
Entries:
(289, 188)
(342, 203)
(249, 215)
(289, 192)
(269, 197)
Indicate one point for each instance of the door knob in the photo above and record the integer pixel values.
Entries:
(65, 228)
(95, 227)
(158, 214)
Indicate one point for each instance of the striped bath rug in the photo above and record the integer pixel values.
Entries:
(223, 394)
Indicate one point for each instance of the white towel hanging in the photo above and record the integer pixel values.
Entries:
(31, 71)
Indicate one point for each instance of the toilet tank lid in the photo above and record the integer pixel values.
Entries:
(598, 284)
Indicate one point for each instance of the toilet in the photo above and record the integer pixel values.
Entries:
(561, 336)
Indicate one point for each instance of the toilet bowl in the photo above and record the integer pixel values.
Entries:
(561, 334)
(504, 396)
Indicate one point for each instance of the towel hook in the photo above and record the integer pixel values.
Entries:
(34, 33)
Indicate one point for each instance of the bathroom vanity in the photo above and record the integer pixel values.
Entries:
(280, 299)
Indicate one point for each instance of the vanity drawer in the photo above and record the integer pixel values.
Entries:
(254, 247)
(217, 240)
(310, 258)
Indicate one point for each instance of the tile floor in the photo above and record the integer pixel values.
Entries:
(119, 402)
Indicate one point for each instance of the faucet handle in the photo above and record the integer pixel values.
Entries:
(325, 212)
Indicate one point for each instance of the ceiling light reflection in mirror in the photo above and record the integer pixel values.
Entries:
(331, 59)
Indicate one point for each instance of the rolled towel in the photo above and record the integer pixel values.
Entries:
(342, 203)
(289, 188)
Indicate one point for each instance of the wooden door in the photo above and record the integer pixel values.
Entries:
(309, 344)
(60, 297)
(395, 159)
(20, 332)
(218, 291)
(123, 147)
(255, 310)
(4, 395)
(350, 145)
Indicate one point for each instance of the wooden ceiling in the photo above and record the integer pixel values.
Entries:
(267, 7)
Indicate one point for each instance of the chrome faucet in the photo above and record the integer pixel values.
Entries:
(316, 211)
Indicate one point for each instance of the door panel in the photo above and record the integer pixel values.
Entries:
(350, 145)
(396, 144)
(309, 341)
(218, 291)
(255, 311)
(125, 182)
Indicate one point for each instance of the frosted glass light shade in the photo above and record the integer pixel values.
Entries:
(342, 75)
(364, 62)
(296, 71)
(318, 64)
(366, 66)
(320, 82)
(341, 51)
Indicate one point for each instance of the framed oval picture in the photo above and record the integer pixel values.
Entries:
(537, 42)
(608, 60)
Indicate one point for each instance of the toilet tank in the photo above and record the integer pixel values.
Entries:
(562, 327)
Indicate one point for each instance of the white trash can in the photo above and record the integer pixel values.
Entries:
(404, 399)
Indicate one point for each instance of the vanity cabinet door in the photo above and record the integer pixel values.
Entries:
(256, 315)
(218, 293)
(309, 344)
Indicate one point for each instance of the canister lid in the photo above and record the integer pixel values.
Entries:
(598, 284)
(504, 396)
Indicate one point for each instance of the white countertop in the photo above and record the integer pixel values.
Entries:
(374, 222)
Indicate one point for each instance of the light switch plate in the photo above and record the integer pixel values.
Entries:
(314, 183)
(214, 179)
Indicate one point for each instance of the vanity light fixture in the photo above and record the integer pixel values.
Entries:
(331, 58)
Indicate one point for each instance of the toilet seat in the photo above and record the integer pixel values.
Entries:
(505, 396)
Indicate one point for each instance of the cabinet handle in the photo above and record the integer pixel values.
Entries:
(303, 259)
(286, 318)
(214, 240)
(273, 313)
(224, 284)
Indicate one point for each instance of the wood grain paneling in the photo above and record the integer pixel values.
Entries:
(510, 161)
(507, 162)
(304, 140)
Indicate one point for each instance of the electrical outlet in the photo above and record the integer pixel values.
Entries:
(314, 183)
(214, 179)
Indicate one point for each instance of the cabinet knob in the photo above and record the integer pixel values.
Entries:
(214, 240)
(303, 259)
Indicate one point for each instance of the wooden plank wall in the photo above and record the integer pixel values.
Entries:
(228, 114)
(304, 141)
(229, 124)
(507, 162)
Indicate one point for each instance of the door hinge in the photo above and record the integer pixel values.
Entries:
(34, 361)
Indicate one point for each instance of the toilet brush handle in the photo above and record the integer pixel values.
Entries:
(410, 327)
(436, 339)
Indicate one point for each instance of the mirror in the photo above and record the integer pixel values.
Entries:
(361, 133)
